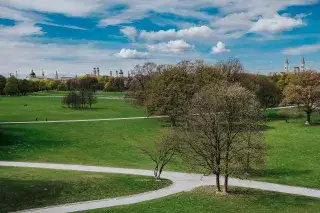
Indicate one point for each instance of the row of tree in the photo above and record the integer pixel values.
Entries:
(80, 99)
(13, 86)
(216, 112)
(166, 90)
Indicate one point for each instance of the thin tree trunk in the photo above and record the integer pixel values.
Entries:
(218, 182)
(226, 181)
(173, 121)
(160, 172)
(308, 118)
(226, 178)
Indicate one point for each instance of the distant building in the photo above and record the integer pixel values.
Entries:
(95, 73)
(301, 67)
(32, 75)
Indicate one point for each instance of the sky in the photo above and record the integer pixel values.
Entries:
(74, 36)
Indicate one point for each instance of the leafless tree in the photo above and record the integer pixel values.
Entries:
(140, 76)
(231, 69)
(213, 136)
(161, 154)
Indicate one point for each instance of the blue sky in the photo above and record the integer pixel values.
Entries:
(73, 36)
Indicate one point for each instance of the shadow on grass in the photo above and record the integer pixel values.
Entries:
(266, 127)
(25, 194)
(20, 140)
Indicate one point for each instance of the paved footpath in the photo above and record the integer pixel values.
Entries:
(84, 120)
(181, 182)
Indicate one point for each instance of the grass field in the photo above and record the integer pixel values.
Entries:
(204, 200)
(293, 149)
(97, 143)
(293, 154)
(13, 109)
(24, 188)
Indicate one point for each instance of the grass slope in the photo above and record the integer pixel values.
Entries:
(293, 154)
(98, 143)
(13, 109)
(24, 188)
(293, 149)
(204, 200)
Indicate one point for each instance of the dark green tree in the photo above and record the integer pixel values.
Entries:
(23, 87)
(3, 81)
(12, 86)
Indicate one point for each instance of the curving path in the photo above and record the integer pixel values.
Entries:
(181, 182)
(84, 120)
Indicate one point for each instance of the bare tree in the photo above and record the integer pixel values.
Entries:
(138, 82)
(161, 154)
(304, 90)
(231, 69)
(213, 137)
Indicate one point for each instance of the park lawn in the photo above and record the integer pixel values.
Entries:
(13, 109)
(293, 154)
(204, 200)
(293, 150)
(108, 143)
(25, 188)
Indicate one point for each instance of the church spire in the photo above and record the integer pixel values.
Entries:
(286, 65)
(303, 64)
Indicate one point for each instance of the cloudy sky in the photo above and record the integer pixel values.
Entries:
(73, 36)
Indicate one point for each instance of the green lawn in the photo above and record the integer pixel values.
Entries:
(13, 109)
(25, 188)
(204, 200)
(293, 154)
(293, 149)
(113, 143)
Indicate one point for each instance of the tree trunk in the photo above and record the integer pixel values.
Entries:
(226, 178)
(155, 171)
(308, 122)
(160, 172)
(226, 181)
(248, 164)
(218, 183)
(173, 121)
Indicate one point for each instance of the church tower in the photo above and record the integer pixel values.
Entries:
(286, 65)
(303, 64)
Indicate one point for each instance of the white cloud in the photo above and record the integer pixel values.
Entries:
(63, 26)
(159, 35)
(177, 46)
(130, 32)
(21, 29)
(302, 49)
(220, 48)
(67, 7)
(276, 24)
(189, 33)
(132, 54)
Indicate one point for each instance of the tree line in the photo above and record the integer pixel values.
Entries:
(216, 112)
(15, 87)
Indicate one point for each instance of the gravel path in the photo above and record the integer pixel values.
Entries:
(181, 182)
(84, 120)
